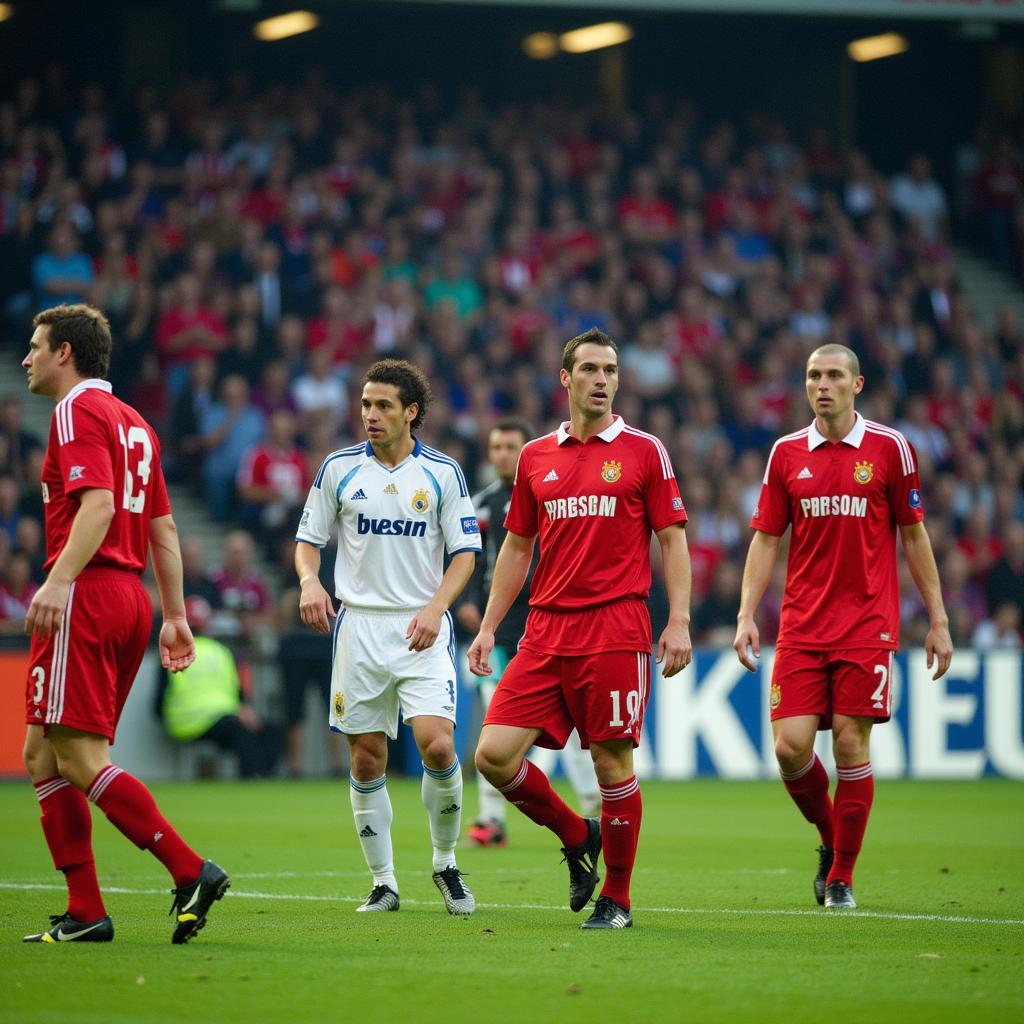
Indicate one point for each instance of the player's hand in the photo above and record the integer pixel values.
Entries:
(423, 629)
(479, 652)
(675, 650)
(177, 645)
(47, 608)
(316, 609)
(469, 617)
(938, 647)
(747, 645)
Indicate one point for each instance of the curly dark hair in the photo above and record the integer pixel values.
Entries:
(410, 382)
(86, 330)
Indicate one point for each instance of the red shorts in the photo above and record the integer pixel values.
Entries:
(80, 676)
(603, 696)
(855, 682)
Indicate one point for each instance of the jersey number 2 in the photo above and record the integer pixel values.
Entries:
(136, 437)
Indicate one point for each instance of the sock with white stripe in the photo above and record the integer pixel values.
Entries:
(67, 826)
(622, 810)
(530, 790)
(442, 797)
(854, 794)
(808, 787)
(371, 809)
(131, 809)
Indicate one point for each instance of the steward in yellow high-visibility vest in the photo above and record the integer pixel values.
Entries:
(201, 695)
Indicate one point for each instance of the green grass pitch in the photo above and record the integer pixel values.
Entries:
(726, 925)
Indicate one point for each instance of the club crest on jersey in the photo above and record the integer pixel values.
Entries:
(304, 521)
(77, 472)
(863, 472)
(775, 696)
(420, 501)
(611, 472)
(339, 704)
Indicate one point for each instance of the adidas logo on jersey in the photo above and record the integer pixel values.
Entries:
(550, 478)
(367, 833)
(451, 809)
(617, 821)
(359, 496)
(804, 474)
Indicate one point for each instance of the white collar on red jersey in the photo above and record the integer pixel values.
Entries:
(853, 438)
(91, 382)
(618, 425)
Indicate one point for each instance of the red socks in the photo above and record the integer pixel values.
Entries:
(132, 810)
(530, 791)
(808, 786)
(621, 812)
(67, 826)
(854, 794)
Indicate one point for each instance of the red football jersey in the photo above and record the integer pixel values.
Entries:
(594, 505)
(844, 502)
(98, 441)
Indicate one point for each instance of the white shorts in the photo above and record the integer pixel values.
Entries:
(374, 674)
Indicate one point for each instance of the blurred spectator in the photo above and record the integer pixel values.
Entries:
(186, 331)
(227, 429)
(1005, 581)
(274, 479)
(919, 199)
(17, 588)
(196, 581)
(10, 512)
(62, 273)
(1001, 632)
(19, 443)
(242, 592)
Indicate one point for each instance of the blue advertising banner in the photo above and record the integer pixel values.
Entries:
(712, 720)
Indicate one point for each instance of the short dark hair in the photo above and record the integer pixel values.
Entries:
(516, 424)
(86, 330)
(591, 337)
(410, 382)
(835, 349)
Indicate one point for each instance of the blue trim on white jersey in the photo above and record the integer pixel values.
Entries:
(435, 456)
(437, 489)
(458, 551)
(345, 479)
(313, 543)
(341, 454)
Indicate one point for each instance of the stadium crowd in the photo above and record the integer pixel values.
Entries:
(255, 250)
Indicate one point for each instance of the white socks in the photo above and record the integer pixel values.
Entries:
(371, 808)
(442, 797)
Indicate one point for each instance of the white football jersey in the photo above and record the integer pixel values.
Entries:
(394, 525)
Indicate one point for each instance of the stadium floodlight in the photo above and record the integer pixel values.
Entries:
(6, 11)
(541, 45)
(888, 44)
(284, 25)
(595, 37)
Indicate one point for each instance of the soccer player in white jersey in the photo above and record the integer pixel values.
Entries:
(399, 506)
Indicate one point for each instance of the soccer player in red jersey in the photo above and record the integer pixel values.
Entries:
(594, 491)
(845, 485)
(105, 505)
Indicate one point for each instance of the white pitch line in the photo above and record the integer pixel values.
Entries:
(710, 911)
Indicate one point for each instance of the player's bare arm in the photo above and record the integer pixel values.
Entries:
(316, 609)
(675, 649)
(426, 623)
(176, 643)
(511, 568)
(757, 573)
(91, 522)
(938, 645)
